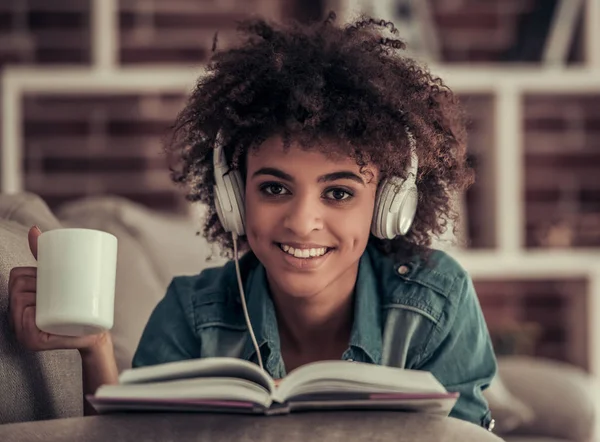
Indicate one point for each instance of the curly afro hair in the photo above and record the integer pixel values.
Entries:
(322, 81)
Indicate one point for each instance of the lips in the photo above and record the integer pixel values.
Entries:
(304, 257)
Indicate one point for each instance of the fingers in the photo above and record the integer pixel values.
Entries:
(24, 327)
(32, 338)
(48, 341)
(21, 295)
(21, 279)
(19, 272)
(23, 283)
(21, 299)
(18, 306)
(32, 237)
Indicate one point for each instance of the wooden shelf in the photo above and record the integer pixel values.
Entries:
(535, 264)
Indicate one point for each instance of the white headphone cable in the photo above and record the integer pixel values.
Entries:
(243, 297)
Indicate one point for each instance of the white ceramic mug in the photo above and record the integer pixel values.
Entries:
(76, 281)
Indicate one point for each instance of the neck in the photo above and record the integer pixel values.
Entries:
(319, 324)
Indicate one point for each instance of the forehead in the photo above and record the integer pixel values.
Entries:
(324, 157)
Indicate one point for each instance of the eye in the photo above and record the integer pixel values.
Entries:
(338, 194)
(273, 189)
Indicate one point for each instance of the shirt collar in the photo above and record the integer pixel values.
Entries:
(365, 335)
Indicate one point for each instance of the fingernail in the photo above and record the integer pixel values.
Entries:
(37, 228)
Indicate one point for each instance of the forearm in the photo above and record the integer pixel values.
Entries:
(98, 367)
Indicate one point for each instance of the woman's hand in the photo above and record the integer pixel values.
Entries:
(21, 307)
(98, 364)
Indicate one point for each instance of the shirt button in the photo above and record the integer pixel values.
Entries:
(403, 270)
(491, 425)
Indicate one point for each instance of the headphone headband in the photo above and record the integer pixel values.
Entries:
(411, 172)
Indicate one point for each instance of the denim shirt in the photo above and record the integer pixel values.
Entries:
(421, 315)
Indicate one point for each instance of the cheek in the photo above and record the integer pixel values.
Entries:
(352, 227)
(259, 220)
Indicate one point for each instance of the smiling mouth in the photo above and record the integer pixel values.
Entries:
(304, 253)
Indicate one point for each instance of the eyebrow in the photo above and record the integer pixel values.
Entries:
(329, 177)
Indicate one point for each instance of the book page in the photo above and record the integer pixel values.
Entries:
(355, 377)
(199, 368)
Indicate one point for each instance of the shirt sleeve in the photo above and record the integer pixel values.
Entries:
(169, 334)
(461, 356)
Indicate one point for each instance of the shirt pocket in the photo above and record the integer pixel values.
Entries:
(216, 310)
(419, 299)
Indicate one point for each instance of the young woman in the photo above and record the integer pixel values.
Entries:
(331, 160)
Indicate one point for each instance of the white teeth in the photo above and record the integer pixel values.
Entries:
(303, 253)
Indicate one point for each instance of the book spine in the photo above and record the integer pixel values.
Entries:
(277, 408)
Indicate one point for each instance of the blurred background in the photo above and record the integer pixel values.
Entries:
(89, 88)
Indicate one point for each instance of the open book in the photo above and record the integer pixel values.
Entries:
(236, 385)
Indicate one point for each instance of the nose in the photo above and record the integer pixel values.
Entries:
(304, 215)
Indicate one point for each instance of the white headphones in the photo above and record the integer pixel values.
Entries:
(395, 204)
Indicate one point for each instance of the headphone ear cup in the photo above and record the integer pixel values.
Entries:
(229, 202)
(408, 209)
(382, 206)
(395, 208)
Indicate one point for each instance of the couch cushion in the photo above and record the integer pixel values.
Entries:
(27, 210)
(508, 411)
(562, 397)
(171, 242)
(33, 386)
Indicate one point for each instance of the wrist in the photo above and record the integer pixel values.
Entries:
(101, 346)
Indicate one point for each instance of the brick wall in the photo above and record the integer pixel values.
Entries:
(496, 30)
(562, 165)
(475, 30)
(43, 32)
(561, 156)
(181, 31)
(100, 144)
(544, 318)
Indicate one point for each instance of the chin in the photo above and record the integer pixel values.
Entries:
(300, 285)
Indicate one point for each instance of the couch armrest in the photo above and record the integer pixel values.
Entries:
(330, 426)
(563, 397)
(33, 385)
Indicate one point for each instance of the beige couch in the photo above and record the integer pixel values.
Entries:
(554, 401)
